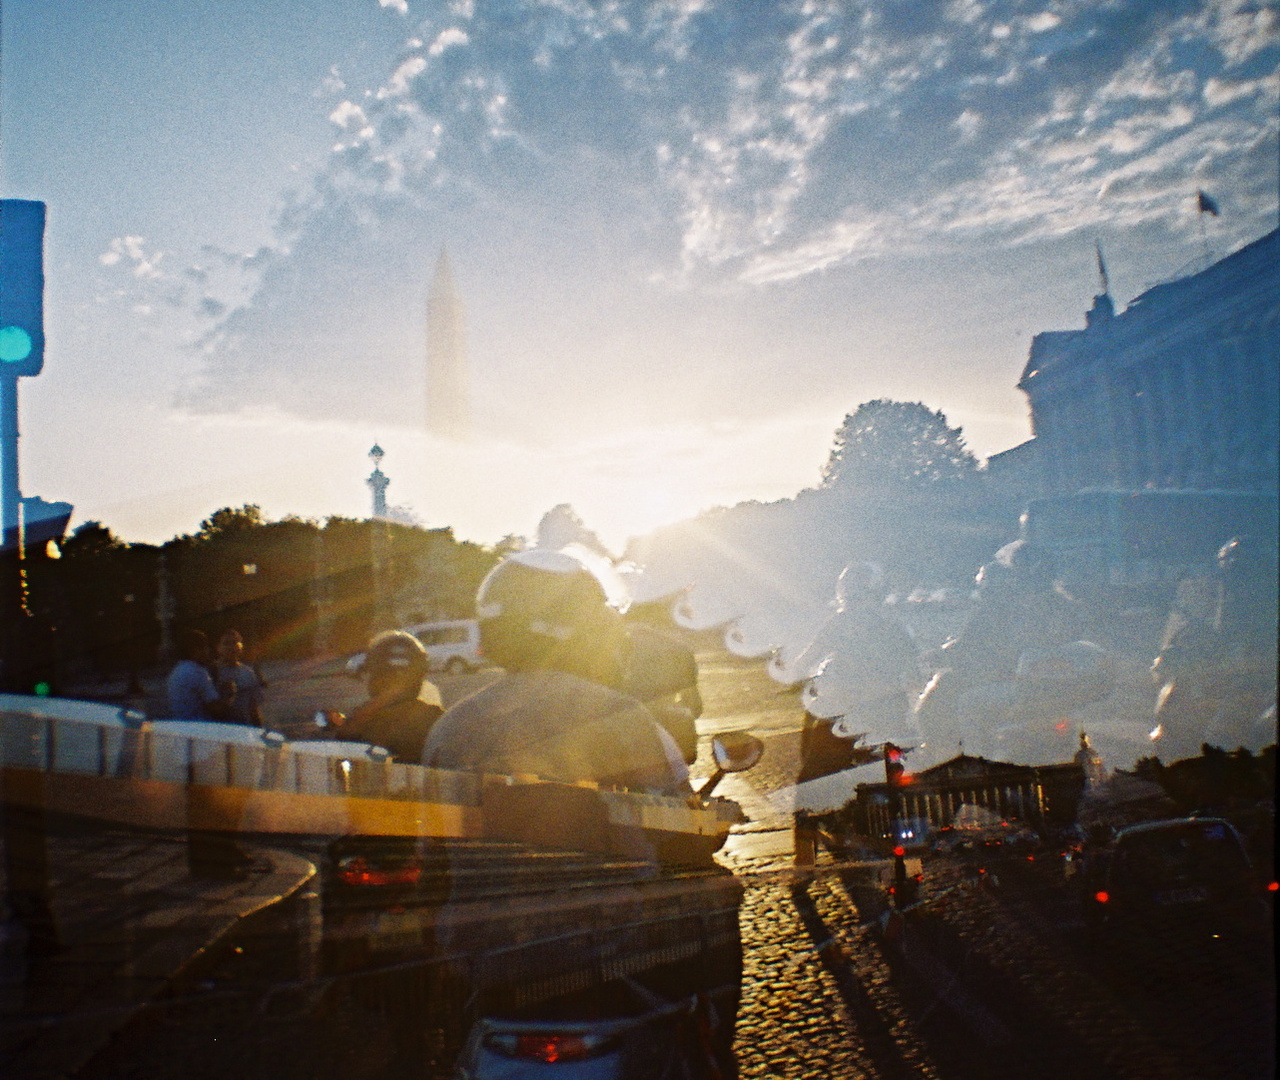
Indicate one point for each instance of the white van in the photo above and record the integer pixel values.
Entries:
(452, 646)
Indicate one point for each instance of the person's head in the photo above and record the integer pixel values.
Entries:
(231, 647)
(993, 581)
(861, 583)
(1030, 565)
(194, 645)
(545, 608)
(394, 659)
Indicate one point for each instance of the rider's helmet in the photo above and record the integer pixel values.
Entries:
(1030, 564)
(394, 652)
(547, 607)
(863, 581)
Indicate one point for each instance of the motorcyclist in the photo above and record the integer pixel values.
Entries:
(868, 679)
(866, 685)
(547, 617)
(1020, 657)
(402, 704)
(1216, 665)
(553, 619)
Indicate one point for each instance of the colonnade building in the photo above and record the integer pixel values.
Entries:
(1180, 391)
(1156, 431)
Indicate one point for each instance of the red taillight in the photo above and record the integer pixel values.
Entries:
(1273, 886)
(1102, 896)
(357, 871)
(552, 1047)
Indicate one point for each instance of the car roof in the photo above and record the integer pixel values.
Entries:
(1172, 825)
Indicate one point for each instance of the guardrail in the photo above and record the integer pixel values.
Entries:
(120, 765)
(98, 740)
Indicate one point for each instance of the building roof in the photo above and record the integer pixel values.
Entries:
(1243, 290)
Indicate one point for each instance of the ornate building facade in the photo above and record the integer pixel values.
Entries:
(1181, 391)
(1156, 430)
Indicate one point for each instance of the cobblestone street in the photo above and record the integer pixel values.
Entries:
(817, 998)
(989, 978)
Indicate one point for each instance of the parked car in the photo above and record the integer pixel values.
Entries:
(452, 645)
(1186, 880)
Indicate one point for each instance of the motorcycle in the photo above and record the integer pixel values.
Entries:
(1026, 717)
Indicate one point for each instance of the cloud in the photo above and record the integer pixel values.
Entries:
(131, 252)
(402, 77)
(702, 146)
(349, 116)
(1220, 92)
(447, 39)
(401, 7)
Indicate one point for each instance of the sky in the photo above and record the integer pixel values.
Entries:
(689, 235)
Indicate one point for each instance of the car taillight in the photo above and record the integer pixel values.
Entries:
(1102, 896)
(548, 1046)
(1273, 886)
(355, 870)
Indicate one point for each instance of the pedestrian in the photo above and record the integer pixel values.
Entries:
(238, 681)
(192, 693)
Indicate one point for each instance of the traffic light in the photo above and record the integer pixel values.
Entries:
(895, 772)
(21, 287)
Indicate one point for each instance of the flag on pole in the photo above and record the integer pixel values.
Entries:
(1205, 204)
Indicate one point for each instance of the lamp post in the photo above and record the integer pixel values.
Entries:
(378, 539)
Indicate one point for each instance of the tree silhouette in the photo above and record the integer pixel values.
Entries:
(231, 520)
(885, 444)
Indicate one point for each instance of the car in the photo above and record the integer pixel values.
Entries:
(452, 645)
(1183, 880)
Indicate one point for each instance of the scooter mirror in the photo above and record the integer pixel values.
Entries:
(736, 751)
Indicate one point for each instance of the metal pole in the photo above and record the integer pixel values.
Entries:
(10, 493)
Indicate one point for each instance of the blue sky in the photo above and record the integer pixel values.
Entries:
(690, 235)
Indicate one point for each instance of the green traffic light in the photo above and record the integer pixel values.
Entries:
(15, 344)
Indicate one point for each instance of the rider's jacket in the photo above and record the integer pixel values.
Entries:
(998, 633)
(401, 726)
(561, 727)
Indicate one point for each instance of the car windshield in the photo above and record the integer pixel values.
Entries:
(1206, 853)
